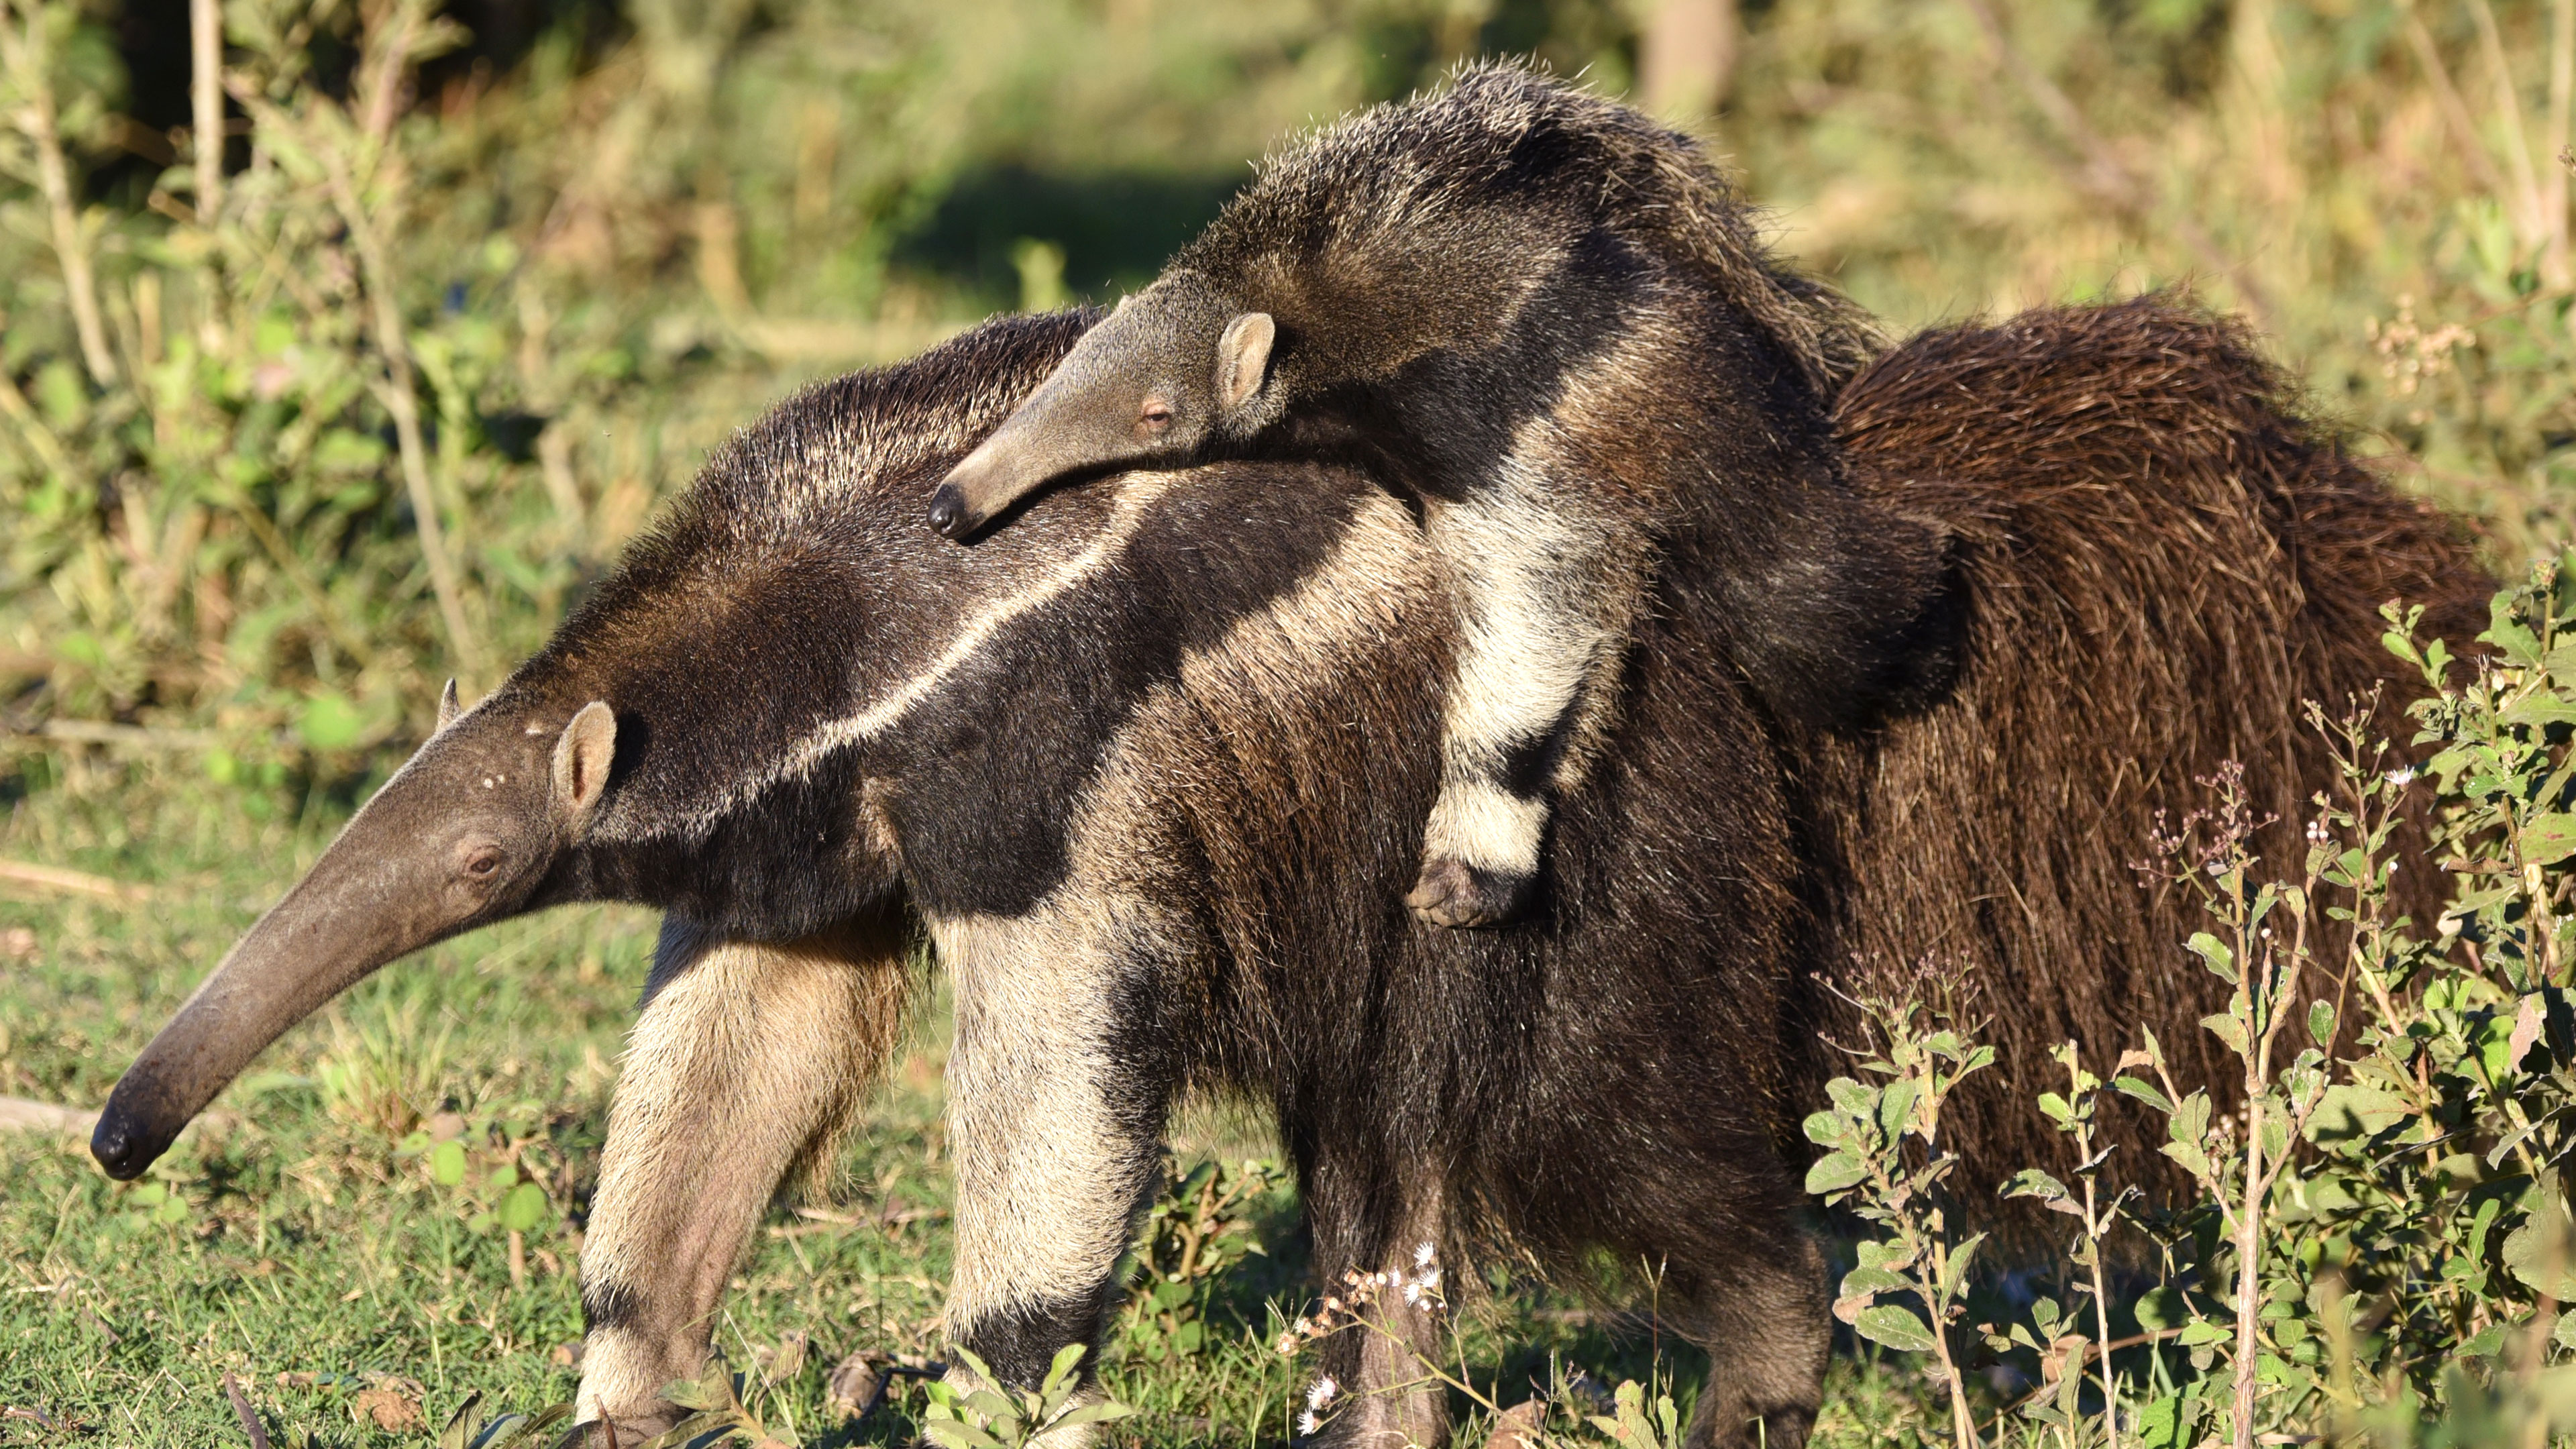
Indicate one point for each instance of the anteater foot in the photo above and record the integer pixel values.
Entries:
(1453, 893)
(626, 1431)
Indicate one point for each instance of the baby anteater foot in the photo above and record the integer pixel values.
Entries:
(1451, 892)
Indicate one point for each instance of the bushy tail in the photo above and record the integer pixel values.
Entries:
(2161, 559)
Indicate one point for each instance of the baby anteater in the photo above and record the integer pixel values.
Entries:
(1548, 321)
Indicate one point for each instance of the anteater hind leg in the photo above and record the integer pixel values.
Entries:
(745, 1065)
(1378, 1226)
(1764, 1323)
(1544, 601)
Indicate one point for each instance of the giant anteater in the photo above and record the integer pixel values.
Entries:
(1549, 321)
(1147, 768)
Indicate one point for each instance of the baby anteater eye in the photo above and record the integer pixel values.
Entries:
(483, 862)
(1154, 416)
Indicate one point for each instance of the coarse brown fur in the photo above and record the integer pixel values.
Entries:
(2163, 559)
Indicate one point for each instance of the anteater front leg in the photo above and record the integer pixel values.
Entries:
(1055, 1117)
(746, 1064)
(1545, 597)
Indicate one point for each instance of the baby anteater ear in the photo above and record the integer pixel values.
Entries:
(1243, 358)
(582, 756)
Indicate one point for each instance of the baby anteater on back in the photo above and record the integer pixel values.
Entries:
(1547, 320)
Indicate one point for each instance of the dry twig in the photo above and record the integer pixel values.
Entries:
(250, 1423)
(57, 880)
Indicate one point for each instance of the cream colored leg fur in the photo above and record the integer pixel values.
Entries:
(746, 1064)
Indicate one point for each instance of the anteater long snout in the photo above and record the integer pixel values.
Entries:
(981, 485)
(296, 958)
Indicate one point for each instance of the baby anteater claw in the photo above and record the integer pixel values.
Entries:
(1453, 893)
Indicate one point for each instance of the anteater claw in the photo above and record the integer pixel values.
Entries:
(1453, 893)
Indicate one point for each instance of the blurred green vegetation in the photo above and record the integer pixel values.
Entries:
(474, 288)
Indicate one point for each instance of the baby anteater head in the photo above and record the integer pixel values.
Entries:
(1178, 370)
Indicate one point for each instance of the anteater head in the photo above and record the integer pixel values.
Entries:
(462, 835)
(1168, 379)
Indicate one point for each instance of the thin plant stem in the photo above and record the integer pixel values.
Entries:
(2455, 110)
(28, 62)
(2517, 145)
(206, 95)
(395, 391)
(2555, 267)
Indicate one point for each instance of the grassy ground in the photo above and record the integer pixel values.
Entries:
(312, 1237)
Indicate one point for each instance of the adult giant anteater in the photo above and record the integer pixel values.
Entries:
(1549, 320)
(1147, 769)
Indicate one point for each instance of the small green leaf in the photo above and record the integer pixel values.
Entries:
(2321, 1022)
(2351, 1112)
(2548, 839)
(2161, 1308)
(1102, 1412)
(1871, 1280)
(329, 722)
(2133, 1087)
(2214, 954)
(1834, 1172)
(459, 1430)
(1896, 1106)
(447, 1166)
(2031, 1182)
(2227, 1029)
(2542, 1255)
(1897, 1328)
(1960, 1257)
(523, 1208)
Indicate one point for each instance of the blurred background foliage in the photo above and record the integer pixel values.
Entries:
(296, 423)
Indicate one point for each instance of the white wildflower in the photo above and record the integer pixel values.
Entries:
(1321, 1395)
(1306, 1425)
(1430, 1282)
(2402, 777)
(1422, 1256)
(1413, 1293)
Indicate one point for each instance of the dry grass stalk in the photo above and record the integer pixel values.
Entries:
(28, 57)
(206, 100)
(58, 881)
(19, 1114)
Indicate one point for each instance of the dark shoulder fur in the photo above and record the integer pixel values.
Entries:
(1398, 214)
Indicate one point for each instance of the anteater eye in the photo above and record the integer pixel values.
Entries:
(483, 863)
(1157, 414)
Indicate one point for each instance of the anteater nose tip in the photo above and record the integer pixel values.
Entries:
(113, 1146)
(948, 510)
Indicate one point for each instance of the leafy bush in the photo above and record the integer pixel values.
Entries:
(2379, 1238)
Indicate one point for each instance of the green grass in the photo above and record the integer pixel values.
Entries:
(299, 1238)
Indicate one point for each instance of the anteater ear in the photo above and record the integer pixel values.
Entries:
(448, 708)
(1243, 358)
(582, 756)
